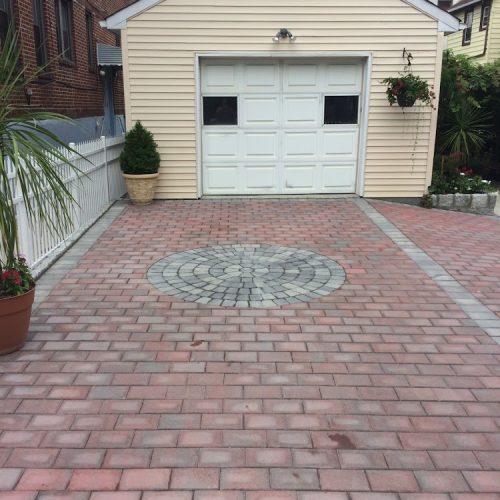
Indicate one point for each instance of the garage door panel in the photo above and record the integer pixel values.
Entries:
(339, 177)
(301, 111)
(262, 178)
(219, 78)
(300, 145)
(221, 179)
(301, 77)
(343, 78)
(299, 177)
(261, 78)
(260, 111)
(220, 145)
(260, 146)
(340, 143)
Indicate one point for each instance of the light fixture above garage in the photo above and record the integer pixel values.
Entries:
(283, 34)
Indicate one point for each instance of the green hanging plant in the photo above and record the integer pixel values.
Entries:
(406, 89)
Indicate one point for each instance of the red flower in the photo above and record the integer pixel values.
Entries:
(13, 276)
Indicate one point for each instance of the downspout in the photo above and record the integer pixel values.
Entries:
(485, 35)
(485, 44)
(109, 104)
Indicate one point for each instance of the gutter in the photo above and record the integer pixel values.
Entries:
(463, 6)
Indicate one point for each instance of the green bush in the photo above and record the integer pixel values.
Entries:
(452, 176)
(140, 153)
(469, 113)
(461, 184)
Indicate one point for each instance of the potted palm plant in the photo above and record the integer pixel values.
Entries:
(139, 162)
(406, 89)
(30, 170)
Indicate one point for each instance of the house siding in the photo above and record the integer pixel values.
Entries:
(493, 48)
(478, 38)
(159, 70)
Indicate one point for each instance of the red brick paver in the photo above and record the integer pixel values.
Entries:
(465, 245)
(383, 387)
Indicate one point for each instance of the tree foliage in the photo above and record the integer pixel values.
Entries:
(469, 113)
(31, 154)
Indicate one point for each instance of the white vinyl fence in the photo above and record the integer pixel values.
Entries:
(94, 189)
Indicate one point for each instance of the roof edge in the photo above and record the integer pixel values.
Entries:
(118, 20)
(446, 21)
(464, 5)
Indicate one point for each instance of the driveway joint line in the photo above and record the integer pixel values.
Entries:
(470, 305)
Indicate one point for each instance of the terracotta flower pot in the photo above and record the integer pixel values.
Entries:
(405, 100)
(15, 315)
(141, 188)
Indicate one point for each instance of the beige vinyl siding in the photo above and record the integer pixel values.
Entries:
(493, 49)
(478, 37)
(160, 46)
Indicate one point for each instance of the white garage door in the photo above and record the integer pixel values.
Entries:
(280, 127)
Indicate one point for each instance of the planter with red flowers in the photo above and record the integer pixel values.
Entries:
(33, 170)
(406, 89)
(17, 292)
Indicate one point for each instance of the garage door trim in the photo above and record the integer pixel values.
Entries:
(366, 59)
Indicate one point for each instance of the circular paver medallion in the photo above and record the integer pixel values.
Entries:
(246, 275)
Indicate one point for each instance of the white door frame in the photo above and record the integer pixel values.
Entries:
(364, 101)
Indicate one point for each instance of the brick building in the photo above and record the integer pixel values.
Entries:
(62, 36)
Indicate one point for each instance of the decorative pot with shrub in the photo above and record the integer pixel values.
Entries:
(406, 89)
(17, 293)
(140, 162)
(29, 154)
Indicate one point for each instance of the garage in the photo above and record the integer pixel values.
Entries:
(283, 97)
(280, 126)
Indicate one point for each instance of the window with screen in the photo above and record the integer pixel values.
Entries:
(467, 32)
(39, 33)
(220, 110)
(89, 25)
(485, 15)
(5, 17)
(341, 110)
(65, 29)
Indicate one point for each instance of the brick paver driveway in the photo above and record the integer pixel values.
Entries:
(384, 388)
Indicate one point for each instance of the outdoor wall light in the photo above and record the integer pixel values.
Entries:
(283, 34)
(28, 93)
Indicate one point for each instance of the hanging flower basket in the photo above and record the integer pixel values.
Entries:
(407, 89)
(406, 100)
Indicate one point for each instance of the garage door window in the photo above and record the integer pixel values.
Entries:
(341, 109)
(220, 110)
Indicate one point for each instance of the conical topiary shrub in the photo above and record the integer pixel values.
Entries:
(140, 153)
(139, 162)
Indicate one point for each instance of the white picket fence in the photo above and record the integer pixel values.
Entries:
(99, 184)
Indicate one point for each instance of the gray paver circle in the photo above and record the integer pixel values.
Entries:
(246, 275)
